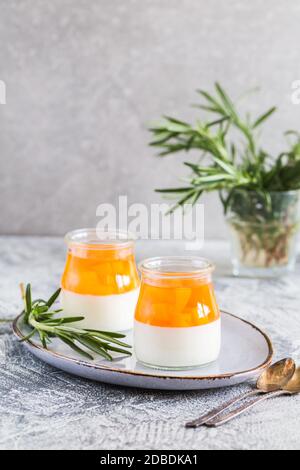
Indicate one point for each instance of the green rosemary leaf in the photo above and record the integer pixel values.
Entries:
(28, 297)
(264, 117)
(63, 321)
(204, 107)
(176, 121)
(225, 166)
(95, 346)
(172, 148)
(176, 128)
(194, 167)
(190, 142)
(226, 201)
(229, 107)
(44, 317)
(74, 346)
(26, 338)
(218, 121)
(201, 170)
(215, 106)
(164, 137)
(197, 196)
(109, 334)
(110, 339)
(185, 199)
(42, 309)
(43, 337)
(214, 178)
(174, 190)
(118, 350)
(233, 151)
(53, 298)
(28, 304)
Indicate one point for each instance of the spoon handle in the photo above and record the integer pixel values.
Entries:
(237, 412)
(217, 411)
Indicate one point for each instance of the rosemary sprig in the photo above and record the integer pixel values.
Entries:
(43, 319)
(231, 143)
(249, 180)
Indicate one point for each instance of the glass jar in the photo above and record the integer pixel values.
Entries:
(100, 280)
(264, 230)
(177, 319)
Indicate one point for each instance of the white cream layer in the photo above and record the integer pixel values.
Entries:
(105, 312)
(177, 347)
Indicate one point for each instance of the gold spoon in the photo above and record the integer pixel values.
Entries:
(291, 388)
(272, 379)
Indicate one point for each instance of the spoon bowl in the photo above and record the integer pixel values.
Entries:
(277, 376)
(293, 386)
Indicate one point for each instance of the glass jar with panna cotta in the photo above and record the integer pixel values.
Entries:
(177, 319)
(100, 281)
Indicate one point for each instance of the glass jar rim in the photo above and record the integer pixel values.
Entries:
(176, 267)
(98, 239)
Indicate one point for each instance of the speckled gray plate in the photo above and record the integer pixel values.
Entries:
(246, 351)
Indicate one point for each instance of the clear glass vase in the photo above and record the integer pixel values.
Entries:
(264, 229)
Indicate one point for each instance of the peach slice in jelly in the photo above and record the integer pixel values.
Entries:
(179, 306)
(100, 281)
(94, 275)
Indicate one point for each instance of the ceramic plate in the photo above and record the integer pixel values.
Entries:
(246, 351)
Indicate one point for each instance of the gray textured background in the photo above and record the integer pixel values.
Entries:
(84, 77)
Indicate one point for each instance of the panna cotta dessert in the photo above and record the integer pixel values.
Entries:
(100, 281)
(177, 319)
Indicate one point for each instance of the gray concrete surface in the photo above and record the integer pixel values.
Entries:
(85, 77)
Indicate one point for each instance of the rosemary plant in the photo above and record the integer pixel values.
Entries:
(42, 318)
(249, 180)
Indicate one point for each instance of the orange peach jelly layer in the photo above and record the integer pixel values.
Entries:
(100, 272)
(177, 303)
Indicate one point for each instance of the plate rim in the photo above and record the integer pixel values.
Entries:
(231, 375)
